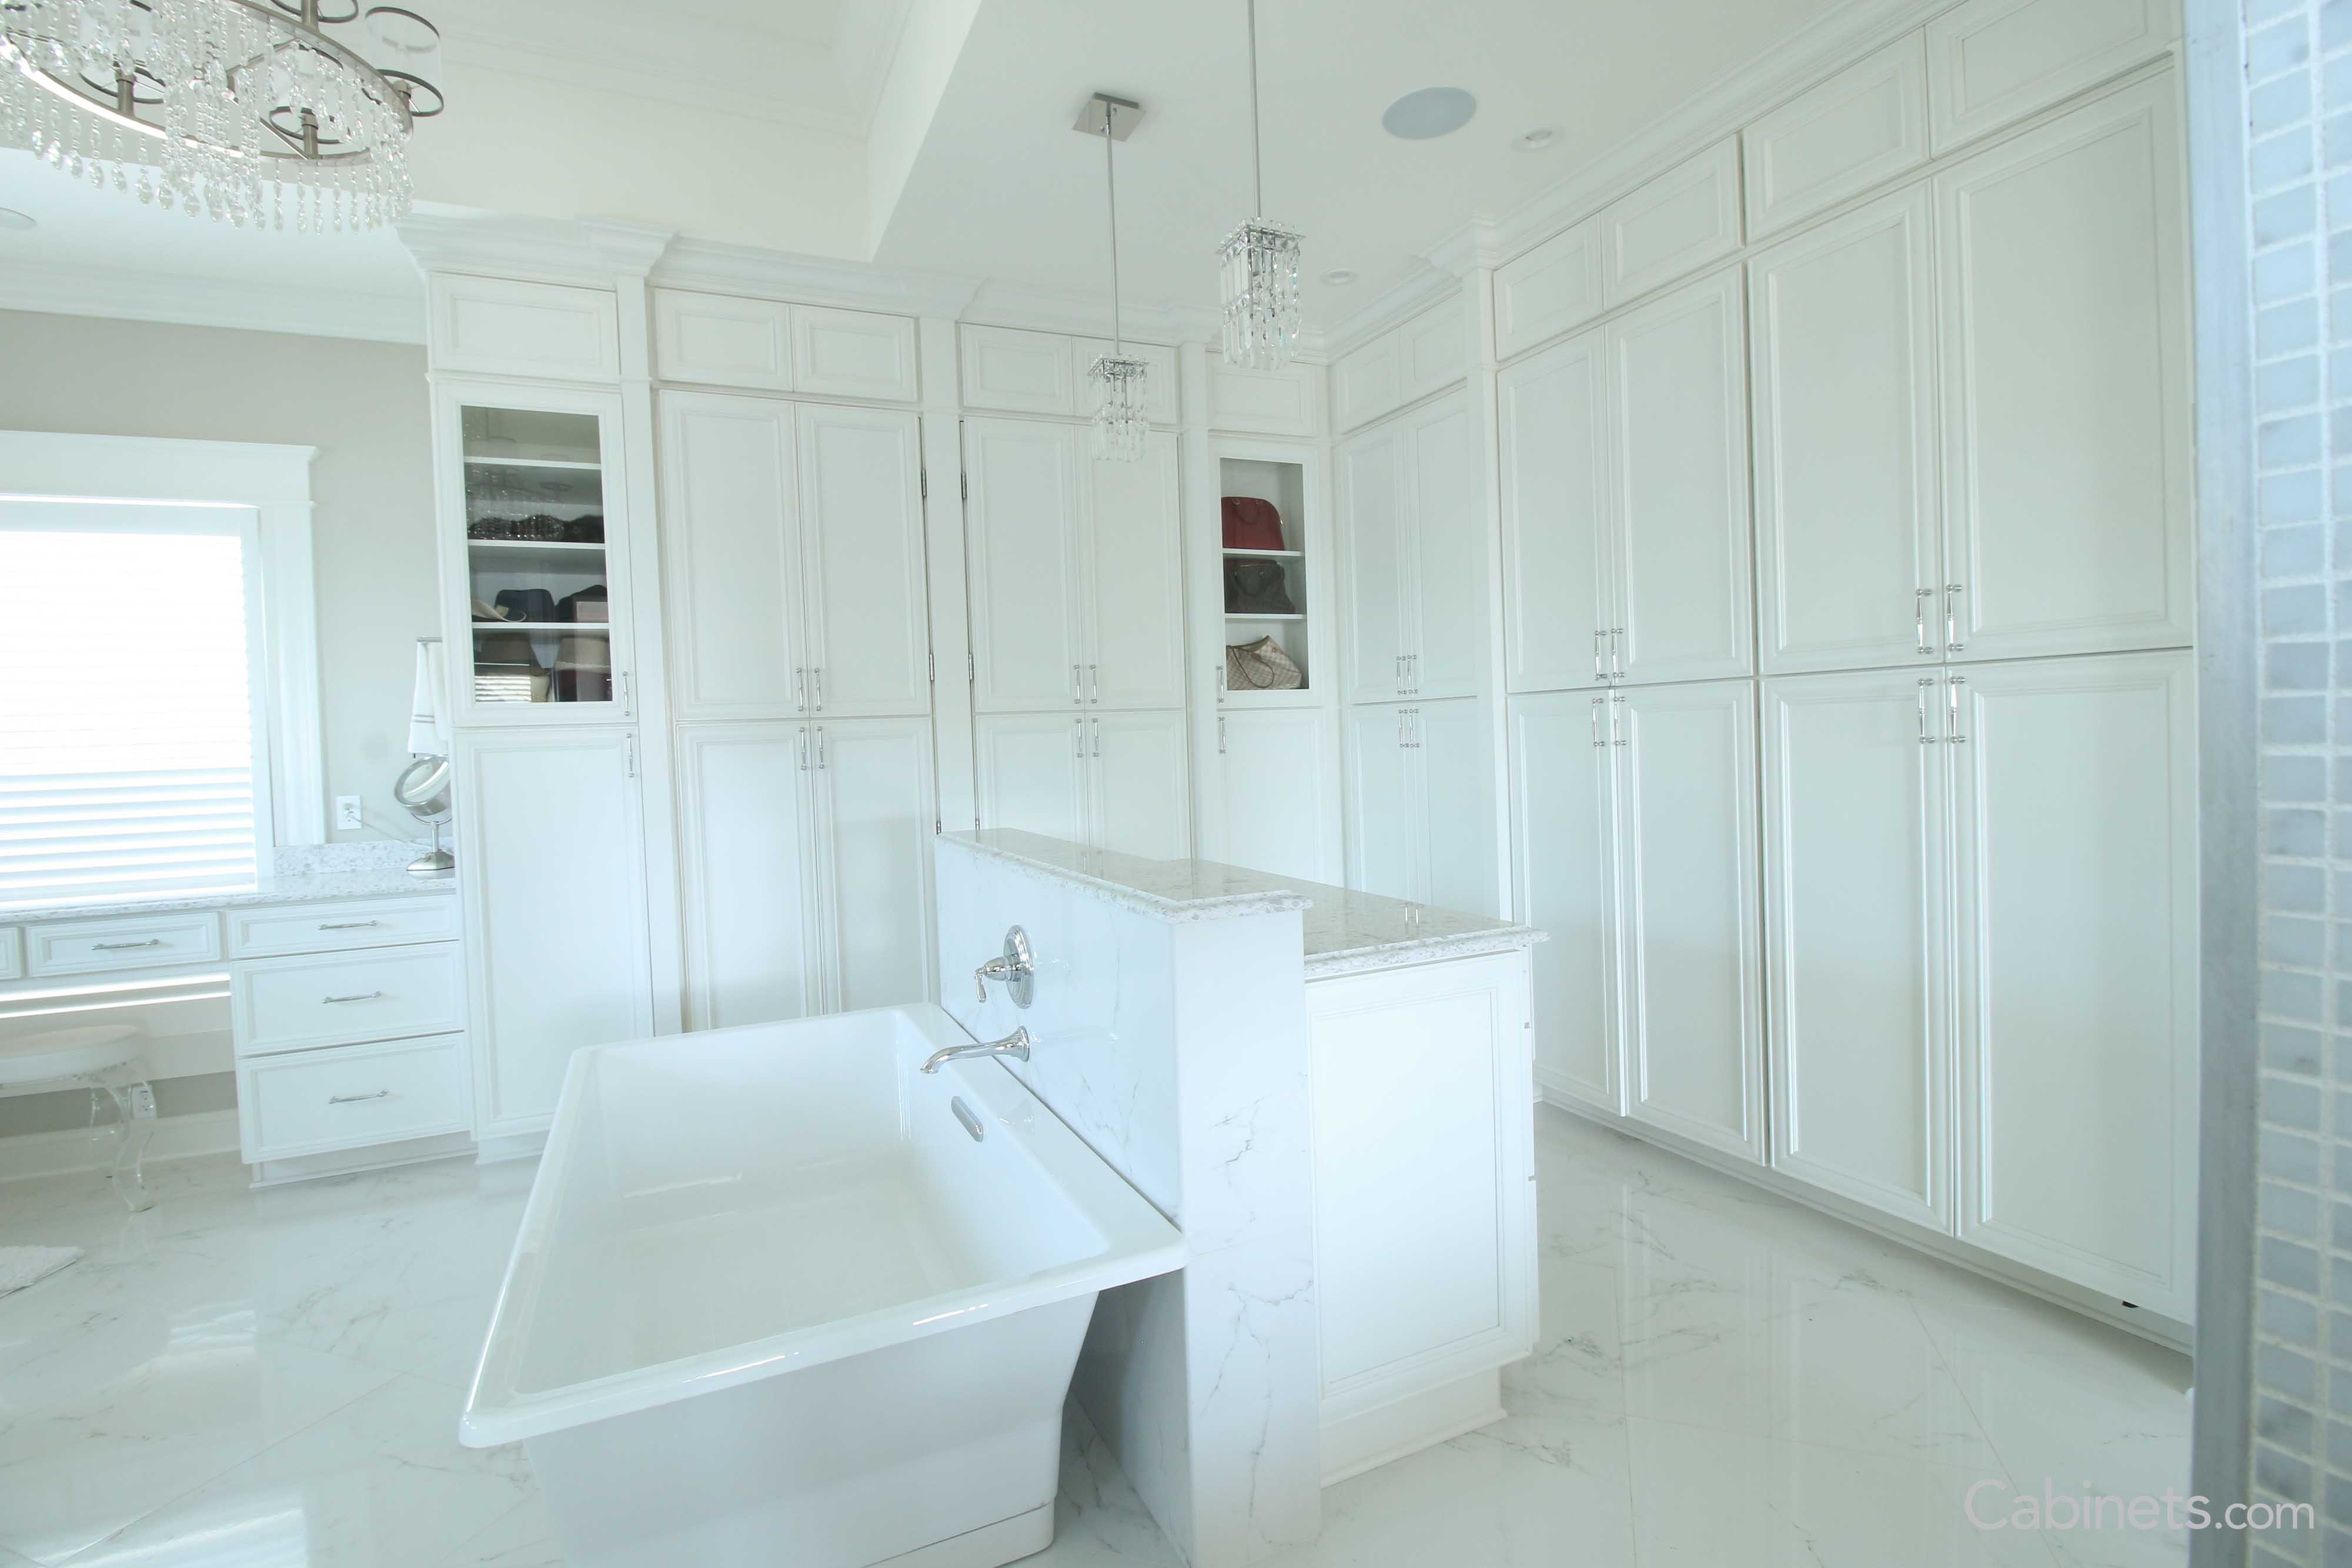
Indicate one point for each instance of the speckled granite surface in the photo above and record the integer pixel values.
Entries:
(305, 873)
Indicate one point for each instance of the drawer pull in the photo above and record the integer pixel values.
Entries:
(124, 947)
(350, 924)
(366, 996)
(348, 1099)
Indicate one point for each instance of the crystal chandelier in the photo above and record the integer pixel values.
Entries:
(225, 105)
(1260, 263)
(1120, 422)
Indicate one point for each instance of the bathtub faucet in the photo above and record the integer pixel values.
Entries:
(1014, 1045)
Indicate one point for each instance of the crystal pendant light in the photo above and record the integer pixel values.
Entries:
(1120, 422)
(224, 106)
(1260, 262)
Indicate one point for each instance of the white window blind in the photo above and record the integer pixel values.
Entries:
(129, 664)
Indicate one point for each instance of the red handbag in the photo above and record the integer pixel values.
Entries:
(1251, 524)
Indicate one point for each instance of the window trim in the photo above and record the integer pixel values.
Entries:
(274, 482)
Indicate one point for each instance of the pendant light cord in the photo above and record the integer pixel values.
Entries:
(1110, 184)
(1258, 143)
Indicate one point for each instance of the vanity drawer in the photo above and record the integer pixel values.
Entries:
(320, 1101)
(12, 953)
(293, 1004)
(332, 927)
(131, 942)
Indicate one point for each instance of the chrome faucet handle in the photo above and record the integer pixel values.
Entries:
(1016, 966)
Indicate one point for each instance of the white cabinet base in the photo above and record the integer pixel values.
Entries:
(1354, 1444)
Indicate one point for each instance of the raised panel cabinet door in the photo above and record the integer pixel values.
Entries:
(1551, 288)
(1558, 590)
(745, 874)
(1368, 383)
(1265, 403)
(2066, 441)
(1021, 569)
(869, 636)
(1844, 335)
(874, 783)
(1564, 881)
(2074, 788)
(1679, 368)
(854, 353)
(1385, 836)
(1434, 350)
(1695, 1005)
(1855, 927)
(1141, 803)
(1993, 61)
(1278, 792)
(1448, 651)
(503, 326)
(1454, 748)
(1135, 581)
(1672, 225)
(1030, 772)
(1374, 470)
(723, 342)
(731, 538)
(557, 943)
(1864, 125)
(1019, 372)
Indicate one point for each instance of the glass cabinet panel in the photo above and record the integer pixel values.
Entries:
(539, 579)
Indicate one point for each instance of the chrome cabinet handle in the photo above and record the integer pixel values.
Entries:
(1598, 673)
(352, 1099)
(1077, 683)
(1097, 737)
(816, 687)
(124, 947)
(1617, 653)
(1220, 735)
(802, 743)
(799, 689)
(1925, 738)
(1413, 730)
(1615, 738)
(820, 748)
(1094, 682)
(1078, 737)
(1598, 744)
(628, 698)
(1952, 591)
(1919, 605)
(349, 925)
(1952, 710)
(1221, 682)
(365, 996)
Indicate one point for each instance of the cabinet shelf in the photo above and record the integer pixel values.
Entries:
(568, 464)
(1237, 615)
(588, 627)
(1266, 554)
(535, 544)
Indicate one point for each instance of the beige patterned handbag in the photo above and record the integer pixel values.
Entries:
(1261, 666)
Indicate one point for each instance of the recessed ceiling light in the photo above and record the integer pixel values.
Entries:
(10, 218)
(1431, 112)
(1536, 141)
(1341, 277)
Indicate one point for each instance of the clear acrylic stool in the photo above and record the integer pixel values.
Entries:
(104, 1058)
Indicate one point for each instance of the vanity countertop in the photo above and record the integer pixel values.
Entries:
(301, 887)
(1345, 931)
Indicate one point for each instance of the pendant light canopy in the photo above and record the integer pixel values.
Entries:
(1260, 263)
(1122, 383)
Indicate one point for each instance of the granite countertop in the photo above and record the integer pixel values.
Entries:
(1345, 931)
(299, 878)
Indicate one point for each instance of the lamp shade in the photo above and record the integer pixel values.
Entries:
(429, 714)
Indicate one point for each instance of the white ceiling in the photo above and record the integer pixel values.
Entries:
(934, 135)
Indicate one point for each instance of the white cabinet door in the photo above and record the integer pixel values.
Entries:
(1695, 1008)
(874, 822)
(1449, 553)
(731, 557)
(1462, 867)
(2075, 789)
(558, 943)
(1139, 803)
(867, 645)
(2066, 443)
(1368, 383)
(1021, 372)
(1679, 372)
(1551, 288)
(1855, 901)
(1030, 771)
(853, 353)
(1672, 225)
(1278, 787)
(1433, 350)
(1556, 495)
(745, 883)
(1564, 875)
(1135, 581)
(1379, 543)
(1845, 441)
(1384, 837)
(721, 340)
(1863, 126)
(501, 327)
(1022, 567)
(1993, 61)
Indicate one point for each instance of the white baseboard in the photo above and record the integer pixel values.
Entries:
(1354, 1444)
(80, 1149)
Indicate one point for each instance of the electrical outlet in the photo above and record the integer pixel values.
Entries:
(347, 812)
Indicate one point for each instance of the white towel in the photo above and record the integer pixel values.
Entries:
(428, 719)
(22, 1266)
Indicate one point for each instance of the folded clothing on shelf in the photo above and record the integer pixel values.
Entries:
(526, 604)
(588, 605)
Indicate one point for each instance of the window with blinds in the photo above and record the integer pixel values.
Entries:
(129, 645)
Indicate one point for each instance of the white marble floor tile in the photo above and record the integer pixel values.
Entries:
(522, 1537)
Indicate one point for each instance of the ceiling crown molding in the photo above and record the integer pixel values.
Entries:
(717, 267)
(261, 306)
(1733, 100)
(588, 252)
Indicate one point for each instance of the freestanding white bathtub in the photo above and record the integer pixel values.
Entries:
(774, 1302)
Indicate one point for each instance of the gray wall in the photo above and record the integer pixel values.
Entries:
(362, 405)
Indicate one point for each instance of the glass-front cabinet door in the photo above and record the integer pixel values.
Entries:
(535, 556)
